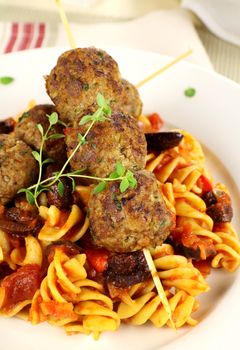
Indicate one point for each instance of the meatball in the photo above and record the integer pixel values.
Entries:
(129, 221)
(18, 167)
(116, 140)
(129, 101)
(27, 131)
(78, 77)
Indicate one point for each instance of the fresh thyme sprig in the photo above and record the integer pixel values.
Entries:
(102, 113)
(126, 177)
(38, 189)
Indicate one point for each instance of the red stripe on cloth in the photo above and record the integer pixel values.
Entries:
(13, 38)
(27, 36)
(41, 35)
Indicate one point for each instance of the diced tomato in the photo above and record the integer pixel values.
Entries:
(204, 183)
(193, 246)
(59, 310)
(98, 258)
(156, 121)
(204, 266)
(21, 285)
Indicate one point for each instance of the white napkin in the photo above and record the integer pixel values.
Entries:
(169, 32)
(222, 17)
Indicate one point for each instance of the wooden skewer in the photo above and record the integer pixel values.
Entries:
(158, 285)
(65, 24)
(73, 46)
(161, 70)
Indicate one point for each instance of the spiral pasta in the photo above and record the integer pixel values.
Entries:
(67, 298)
(58, 225)
(53, 300)
(148, 307)
(176, 271)
(31, 253)
(178, 171)
(142, 303)
(228, 249)
(5, 250)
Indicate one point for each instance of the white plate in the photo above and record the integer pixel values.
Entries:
(213, 116)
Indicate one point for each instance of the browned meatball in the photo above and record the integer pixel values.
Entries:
(108, 142)
(129, 221)
(78, 77)
(18, 168)
(130, 100)
(27, 131)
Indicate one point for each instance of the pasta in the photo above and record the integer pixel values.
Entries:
(5, 250)
(58, 227)
(31, 253)
(182, 282)
(179, 171)
(148, 307)
(67, 294)
(228, 249)
(67, 298)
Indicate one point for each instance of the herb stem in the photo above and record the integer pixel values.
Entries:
(44, 137)
(126, 177)
(75, 176)
(74, 151)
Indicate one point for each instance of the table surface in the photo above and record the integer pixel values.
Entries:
(224, 56)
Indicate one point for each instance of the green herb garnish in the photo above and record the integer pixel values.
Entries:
(6, 80)
(103, 113)
(190, 92)
(86, 87)
(24, 116)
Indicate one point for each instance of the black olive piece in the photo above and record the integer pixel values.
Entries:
(162, 141)
(193, 253)
(20, 223)
(68, 247)
(209, 198)
(65, 200)
(125, 270)
(219, 206)
(7, 126)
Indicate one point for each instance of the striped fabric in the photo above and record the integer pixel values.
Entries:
(22, 36)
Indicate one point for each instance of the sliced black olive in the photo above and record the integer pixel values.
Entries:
(65, 200)
(195, 252)
(68, 247)
(189, 244)
(20, 223)
(162, 141)
(127, 269)
(219, 206)
(7, 126)
(209, 198)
